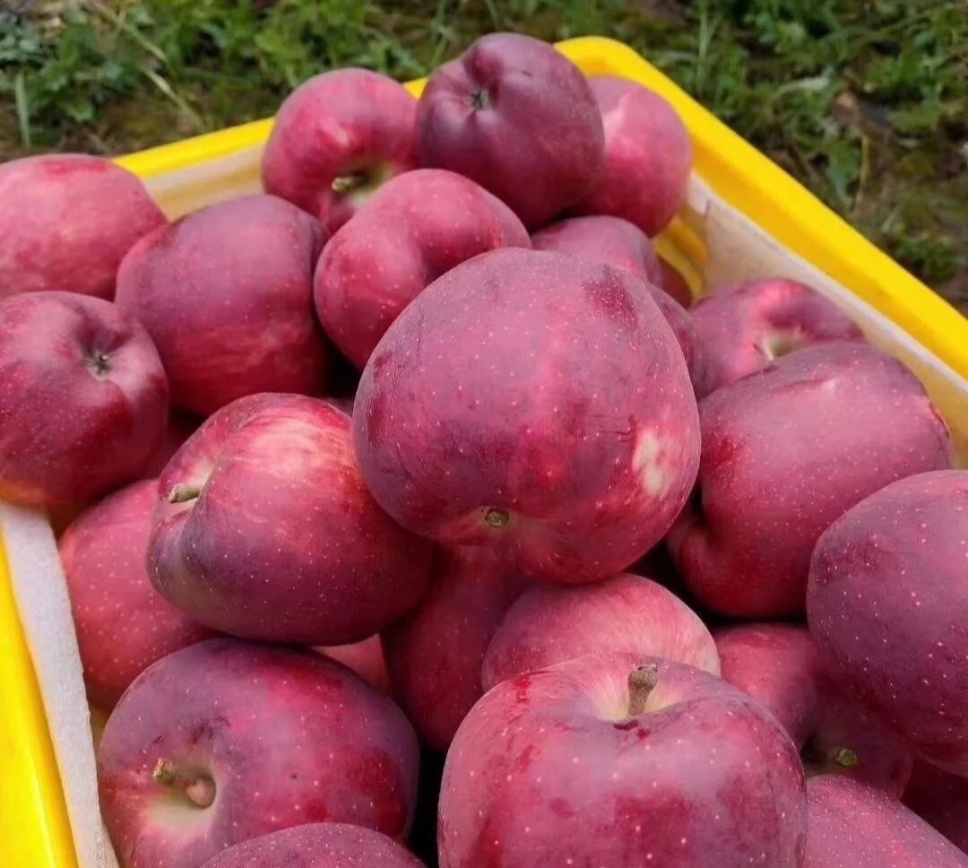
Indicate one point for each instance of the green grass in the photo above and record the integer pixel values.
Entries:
(865, 101)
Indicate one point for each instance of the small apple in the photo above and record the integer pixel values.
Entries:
(226, 294)
(517, 117)
(83, 398)
(265, 530)
(227, 740)
(546, 412)
(941, 800)
(336, 138)
(551, 624)
(365, 658)
(616, 760)
(67, 220)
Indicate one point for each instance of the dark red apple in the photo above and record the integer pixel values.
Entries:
(434, 655)
(779, 665)
(551, 624)
(517, 117)
(227, 740)
(618, 760)
(854, 825)
(265, 530)
(66, 221)
(785, 452)
(181, 426)
(940, 799)
(886, 601)
(226, 293)
(317, 845)
(428, 221)
(123, 624)
(336, 138)
(648, 156)
(536, 403)
(745, 327)
(83, 398)
(365, 658)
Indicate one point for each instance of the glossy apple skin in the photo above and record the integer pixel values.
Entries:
(435, 653)
(551, 624)
(283, 542)
(428, 221)
(123, 624)
(365, 658)
(85, 213)
(318, 845)
(555, 423)
(940, 799)
(648, 156)
(346, 128)
(745, 327)
(886, 601)
(83, 398)
(226, 294)
(284, 737)
(550, 766)
(785, 452)
(855, 825)
(517, 117)
(780, 666)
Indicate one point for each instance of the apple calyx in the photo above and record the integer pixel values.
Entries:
(200, 791)
(480, 99)
(497, 518)
(642, 682)
(184, 492)
(100, 363)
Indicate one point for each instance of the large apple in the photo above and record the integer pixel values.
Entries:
(228, 740)
(886, 602)
(551, 624)
(265, 530)
(67, 220)
(536, 403)
(434, 655)
(336, 138)
(317, 845)
(785, 452)
(648, 156)
(779, 665)
(83, 398)
(517, 117)
(617, 760)
(123, 624)
(226, 294)
(855, 825)
(940, 799)
(428, 221)
(745, 327)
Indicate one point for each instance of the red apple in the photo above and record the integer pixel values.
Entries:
(779, 665)
(551, 624)
(586, 763)
(886, 602)
(675, 284)
(536, 403)
(435, 654)
(428, 221)
(83, 398)
(854, 825)
(317, 845)
(265, 530)
(785, 452)
(66, 221)
(745, 327)
(365, 658)
(227, 740)
(517, 117)
(226, 293)
(336, 138)
(648, 156)
(181, 426)
(941, 800)
(123, 624)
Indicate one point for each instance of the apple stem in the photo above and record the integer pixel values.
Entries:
(642, 682)
(199, 790)
(497, 518)
(182, 493)
(844, 757)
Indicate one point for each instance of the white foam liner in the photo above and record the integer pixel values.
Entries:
(738, 249)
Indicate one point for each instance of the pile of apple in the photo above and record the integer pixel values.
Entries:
(410, 517)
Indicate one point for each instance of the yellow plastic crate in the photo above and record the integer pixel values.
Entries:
(746, 218)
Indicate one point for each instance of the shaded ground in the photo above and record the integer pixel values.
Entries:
(865, 101)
